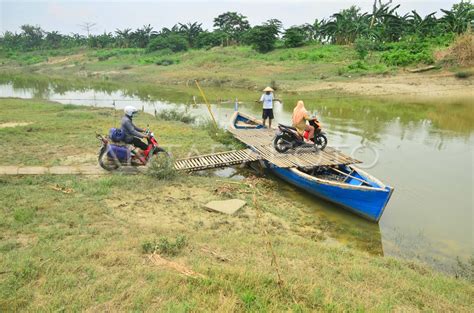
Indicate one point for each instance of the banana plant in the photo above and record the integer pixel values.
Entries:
(458, 19)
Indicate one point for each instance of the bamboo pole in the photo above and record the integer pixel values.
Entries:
(207, 103)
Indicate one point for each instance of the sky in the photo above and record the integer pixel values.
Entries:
(66, 15)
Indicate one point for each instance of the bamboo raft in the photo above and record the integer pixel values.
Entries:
(262, 149)
(261, 141)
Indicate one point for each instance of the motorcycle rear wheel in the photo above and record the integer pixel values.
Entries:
(105, 162)
(320, 142)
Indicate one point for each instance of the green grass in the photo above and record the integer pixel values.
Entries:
(34, 57)
(237, 66)
(89, 249)
(234, 66)
(82, 251)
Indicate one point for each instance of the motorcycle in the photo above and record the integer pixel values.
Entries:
(289, 138)
(113, 155)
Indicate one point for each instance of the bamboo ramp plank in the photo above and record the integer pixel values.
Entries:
(216, 160)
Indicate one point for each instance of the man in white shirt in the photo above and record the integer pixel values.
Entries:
(267, 100)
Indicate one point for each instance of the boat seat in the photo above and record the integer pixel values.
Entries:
(353, 182)
(286, 126)
(242, 124)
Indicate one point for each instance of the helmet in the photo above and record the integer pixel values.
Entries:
(130, 110)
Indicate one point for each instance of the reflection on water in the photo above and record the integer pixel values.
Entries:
(424, 151)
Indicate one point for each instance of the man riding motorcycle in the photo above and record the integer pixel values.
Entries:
(132, 133)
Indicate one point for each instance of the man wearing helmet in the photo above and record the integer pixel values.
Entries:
(133, 134)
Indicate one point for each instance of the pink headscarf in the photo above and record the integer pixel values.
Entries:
(299, 112)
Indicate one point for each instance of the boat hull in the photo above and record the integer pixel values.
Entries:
(364, 201)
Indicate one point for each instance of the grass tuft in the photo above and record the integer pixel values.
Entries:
(465, 269)
(220, 135)
(463, 74)
(176, 115)
(162, 167)
(165, 246)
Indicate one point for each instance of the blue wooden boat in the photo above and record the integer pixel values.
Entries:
(345, 185)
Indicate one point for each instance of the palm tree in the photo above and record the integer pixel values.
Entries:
(191, 31)
(123, 37)
(53, 39)
(141, 37)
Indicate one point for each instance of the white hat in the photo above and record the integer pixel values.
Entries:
(268, 89)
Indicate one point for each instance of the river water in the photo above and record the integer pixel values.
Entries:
(426, 156)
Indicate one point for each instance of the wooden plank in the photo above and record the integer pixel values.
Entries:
(214, 159)
(191, 161)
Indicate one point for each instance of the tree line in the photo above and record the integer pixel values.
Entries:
(383, 25)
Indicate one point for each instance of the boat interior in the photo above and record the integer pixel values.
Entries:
(342, 174)
(248, 122)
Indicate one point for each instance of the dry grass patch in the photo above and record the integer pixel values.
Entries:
(461, 52)
(14, 124)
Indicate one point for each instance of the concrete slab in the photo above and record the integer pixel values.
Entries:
(56, 170)
(63, 170)
(8, 170)
(32, 170)
(226, 206)
(91, 170)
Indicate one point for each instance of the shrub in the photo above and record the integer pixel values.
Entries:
(162, 167)
(262, 38)
(27, 59)
(462, 51)
(404, 57)
(103, 55)
(362, 47)
(220, 135)
(465, 269)
(164, 62)
(410, 51)
(294, 37)
(359, 65)
(463, 74)
(209, 39)
(174, 42)
(176, 115)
